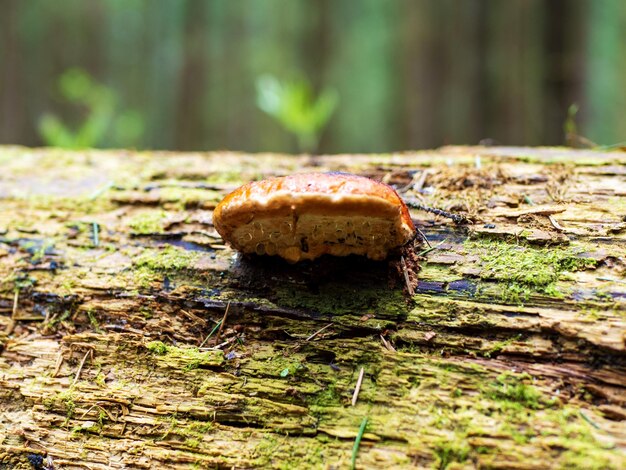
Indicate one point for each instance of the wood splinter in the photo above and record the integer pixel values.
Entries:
(357, 389)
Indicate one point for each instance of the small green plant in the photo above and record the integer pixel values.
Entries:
(570, 129)
(93, 321)
(157, 348)
(574, 139)
(103, 123)
(294, 105)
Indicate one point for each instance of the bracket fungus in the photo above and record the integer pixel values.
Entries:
(307, 215)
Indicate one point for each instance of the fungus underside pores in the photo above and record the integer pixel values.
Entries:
(304, 216)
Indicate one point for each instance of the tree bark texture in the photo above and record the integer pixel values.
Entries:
(131, 336)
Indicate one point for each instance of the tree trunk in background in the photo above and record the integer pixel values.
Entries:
(10, 85)
(317, 41)
(605, 69)
(564, 71)
(189, 128)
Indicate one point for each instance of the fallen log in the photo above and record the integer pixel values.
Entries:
(509, 353)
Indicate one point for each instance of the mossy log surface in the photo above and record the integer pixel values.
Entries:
(510, 353)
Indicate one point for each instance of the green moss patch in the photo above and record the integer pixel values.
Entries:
(523, 270)
(184, 358)
(151, 264)
(168, 258)
(515, 390)
(147, 222)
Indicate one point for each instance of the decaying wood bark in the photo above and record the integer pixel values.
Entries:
(131, 337)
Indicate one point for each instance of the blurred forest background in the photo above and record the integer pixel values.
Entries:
(323, 75)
